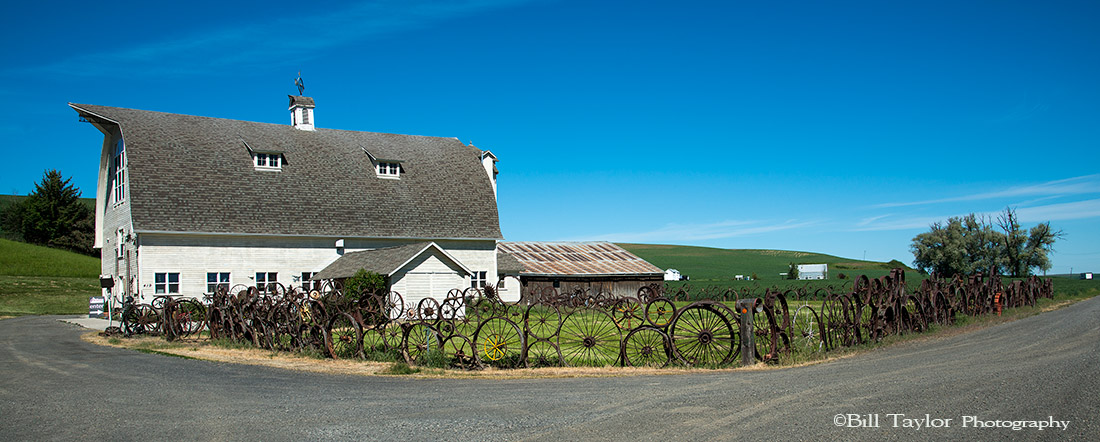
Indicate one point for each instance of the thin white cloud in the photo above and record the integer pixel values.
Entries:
(1070, 186)
(1037, 214)
(679, 233)
(259, 43)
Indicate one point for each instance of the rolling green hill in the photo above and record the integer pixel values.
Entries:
(705, 264)
(40, 280)
(7, 200)
(22, 259)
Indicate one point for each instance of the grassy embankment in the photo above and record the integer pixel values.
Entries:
(37, 280)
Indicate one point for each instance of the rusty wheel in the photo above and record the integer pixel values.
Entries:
(428, 310)
(460, 351)
(589, 337)
(542, 321)
(628, 313)
(646, 347)
(343, 337)
(702, 335)
(499, 342)
(419, 339)
(543, 353)
(659, 312)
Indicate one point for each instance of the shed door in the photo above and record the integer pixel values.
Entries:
(433, 284)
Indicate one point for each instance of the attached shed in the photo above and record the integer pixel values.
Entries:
(592, 267)
(813, 271)
(416, 271)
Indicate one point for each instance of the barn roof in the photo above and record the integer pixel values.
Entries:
(384, 261)
(196, 174)
(508, 264)
(577, 259)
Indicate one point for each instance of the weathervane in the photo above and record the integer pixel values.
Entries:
(301, 84)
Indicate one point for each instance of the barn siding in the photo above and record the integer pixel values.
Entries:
(194, 255)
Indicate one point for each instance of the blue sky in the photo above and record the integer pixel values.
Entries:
(836, 127)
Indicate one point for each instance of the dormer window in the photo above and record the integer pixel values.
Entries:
(389, 170)
(268, 161)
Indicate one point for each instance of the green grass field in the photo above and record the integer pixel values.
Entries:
(706, 264)
(37, 280)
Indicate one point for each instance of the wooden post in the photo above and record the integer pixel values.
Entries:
(747, 308)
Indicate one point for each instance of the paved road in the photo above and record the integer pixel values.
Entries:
(53, 386)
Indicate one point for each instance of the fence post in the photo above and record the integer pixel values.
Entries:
(747, 308)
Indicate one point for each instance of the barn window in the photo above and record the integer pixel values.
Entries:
(477, 280)
(118, 168)
(214, 280)
(308, 285)
(263, 279)
(166, 283)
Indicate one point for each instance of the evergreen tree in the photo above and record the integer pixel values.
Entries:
(53, 215)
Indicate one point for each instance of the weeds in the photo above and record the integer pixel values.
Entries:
(400, 368)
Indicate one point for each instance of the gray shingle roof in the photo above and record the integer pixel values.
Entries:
(508, 264)
(383, 261)
(300, 100)
(194, 174)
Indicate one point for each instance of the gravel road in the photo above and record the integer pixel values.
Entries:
(1037, 370)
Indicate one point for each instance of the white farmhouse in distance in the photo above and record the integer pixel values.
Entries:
(813, 271)
(672, 275)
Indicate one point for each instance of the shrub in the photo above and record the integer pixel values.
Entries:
(363, 282)
(841, 276)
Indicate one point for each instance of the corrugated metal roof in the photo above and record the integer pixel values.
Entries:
(576, 259)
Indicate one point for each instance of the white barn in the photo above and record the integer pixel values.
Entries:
(187, 203)
(813, 271)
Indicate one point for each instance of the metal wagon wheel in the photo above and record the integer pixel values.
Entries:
(646, 346)
(419, 339)
(804, 329)
(543, 353)
(628, 313)
(459, 350)
(589, 337)
(912, 316)
(542, 321)
(374, 339)
(393, 304)
(702, 334)
(499, 342)
(452, 308)
(428, 310)
(343, 337)
(190, 316)
(659, 312)
(147, 319)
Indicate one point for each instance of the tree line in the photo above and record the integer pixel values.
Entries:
(972, 244)
(52, 215)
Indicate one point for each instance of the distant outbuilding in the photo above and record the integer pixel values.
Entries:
(813, 271)
(673, 275)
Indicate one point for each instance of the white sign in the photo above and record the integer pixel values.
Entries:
(95, 307)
